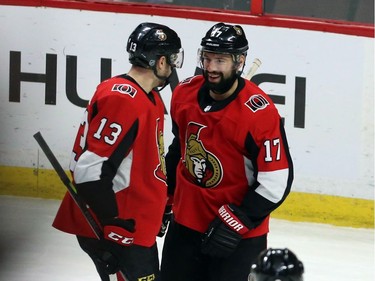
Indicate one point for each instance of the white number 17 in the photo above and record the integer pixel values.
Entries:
(270, 150)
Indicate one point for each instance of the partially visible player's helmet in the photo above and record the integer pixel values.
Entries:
(277, 265)
(225, 38)
(149, 41)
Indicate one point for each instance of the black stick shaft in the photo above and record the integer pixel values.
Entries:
(69, 185)
(71, 188)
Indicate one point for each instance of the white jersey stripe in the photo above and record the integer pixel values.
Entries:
(272, 184)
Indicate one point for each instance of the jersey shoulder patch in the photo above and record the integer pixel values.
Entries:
(257, 102)
(125, 89)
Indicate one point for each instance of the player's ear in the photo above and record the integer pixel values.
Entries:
(241, 62)
(162, 60)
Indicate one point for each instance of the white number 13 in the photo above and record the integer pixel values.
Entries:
(112, 138)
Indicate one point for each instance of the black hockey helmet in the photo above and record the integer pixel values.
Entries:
(225, 38)
(277, 265)
(149, 41)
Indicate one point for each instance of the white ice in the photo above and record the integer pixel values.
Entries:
(32, 250)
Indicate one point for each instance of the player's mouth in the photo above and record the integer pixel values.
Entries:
(214, 77)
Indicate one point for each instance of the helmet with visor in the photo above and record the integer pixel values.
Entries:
(149, 41)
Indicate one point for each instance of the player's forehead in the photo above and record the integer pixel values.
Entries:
(213, 55)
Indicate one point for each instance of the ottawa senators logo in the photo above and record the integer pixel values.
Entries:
(125, 89)
(257, 102)
(204, 167)
(160, 172)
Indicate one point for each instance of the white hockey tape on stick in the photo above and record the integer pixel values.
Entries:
(253, 69)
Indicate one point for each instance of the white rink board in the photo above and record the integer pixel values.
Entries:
(333, 154)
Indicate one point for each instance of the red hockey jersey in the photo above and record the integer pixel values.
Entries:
(226, 152)
(120, 141)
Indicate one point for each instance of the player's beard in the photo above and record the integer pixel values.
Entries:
(224, 84)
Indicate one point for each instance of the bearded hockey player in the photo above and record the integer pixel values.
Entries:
(228, 166)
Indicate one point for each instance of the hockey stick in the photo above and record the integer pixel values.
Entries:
(71, 188)
(253, 69)
(69, 185)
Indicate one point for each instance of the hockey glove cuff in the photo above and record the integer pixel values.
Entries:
(225, 232)
(119, 231)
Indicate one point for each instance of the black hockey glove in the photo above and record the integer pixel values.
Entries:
(107, 252)
(101, 253)
(225, 232)
(165, 221)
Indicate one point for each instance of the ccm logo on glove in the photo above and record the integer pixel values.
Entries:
(227, 216)
(119, 231)
(118, 238)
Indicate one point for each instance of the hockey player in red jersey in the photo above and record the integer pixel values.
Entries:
(228, 166)
(118, 162)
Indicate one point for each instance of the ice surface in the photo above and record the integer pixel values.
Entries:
(32, 250)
